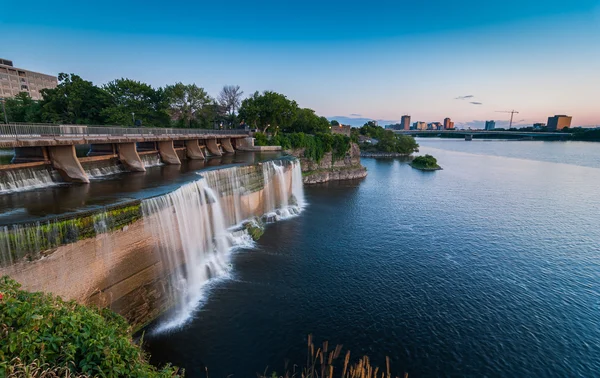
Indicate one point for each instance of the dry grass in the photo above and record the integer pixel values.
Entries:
(17, 369)
(325, 363)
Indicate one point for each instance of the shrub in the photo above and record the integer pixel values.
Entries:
(426, 161)
(43, 329)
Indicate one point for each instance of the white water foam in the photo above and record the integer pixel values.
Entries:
(28, 179)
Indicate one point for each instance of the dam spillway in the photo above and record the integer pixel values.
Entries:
(145, 256)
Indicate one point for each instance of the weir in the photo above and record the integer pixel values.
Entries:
(143, 257)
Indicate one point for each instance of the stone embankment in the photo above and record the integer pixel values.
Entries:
(330, 169)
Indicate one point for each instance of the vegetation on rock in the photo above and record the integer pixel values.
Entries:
(387, 140)
(31, 239)
(42, 329)
(255, 228)
(426, 162)
(315, 146)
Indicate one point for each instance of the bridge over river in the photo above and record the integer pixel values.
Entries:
(55, 146)
(469, 134)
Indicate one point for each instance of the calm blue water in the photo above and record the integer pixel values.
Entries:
(490, 267)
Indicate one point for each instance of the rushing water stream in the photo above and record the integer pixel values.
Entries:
(490, 267)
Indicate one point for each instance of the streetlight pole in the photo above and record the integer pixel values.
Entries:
(133, 117)
(4, 110)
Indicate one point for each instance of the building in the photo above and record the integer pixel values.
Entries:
(559, 122)
(341, 129)
(15, 80)
(420, 125)
(490, 125)
(447, 123)
(538, 126)
(405, 122)
(434, 126)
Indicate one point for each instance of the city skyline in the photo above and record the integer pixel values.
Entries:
(461, 61)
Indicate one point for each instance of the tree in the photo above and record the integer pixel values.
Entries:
(127, 96)
(308, 122)
(21, 108)
(211, 116)
(185, 101)
(335, 123)
(231, 98)
(269, 109)
(74, 101)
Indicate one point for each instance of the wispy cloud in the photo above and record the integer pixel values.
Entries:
(355, 115)
(464, 97)
(476, 103)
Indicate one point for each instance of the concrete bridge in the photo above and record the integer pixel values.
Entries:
(469, 134)
(38, 145)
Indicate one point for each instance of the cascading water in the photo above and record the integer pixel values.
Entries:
(195, 226)
(28, 179)
(107, 170)
(151, 160)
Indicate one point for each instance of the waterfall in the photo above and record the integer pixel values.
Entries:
(27, 179)
(298, 185)
(151, 160)
(196, 227)
(97, 172)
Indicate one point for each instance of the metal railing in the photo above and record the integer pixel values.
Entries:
(16, 131)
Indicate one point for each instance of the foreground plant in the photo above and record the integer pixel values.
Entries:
(41, 335)
(325, 363)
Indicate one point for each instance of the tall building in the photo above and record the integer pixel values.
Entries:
(405, 122)
(447, 123)
(559, 122)
(490, 125)
(15, 80)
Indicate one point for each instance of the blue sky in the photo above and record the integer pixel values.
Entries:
(375, 60)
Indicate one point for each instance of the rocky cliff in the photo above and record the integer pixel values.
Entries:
(330, 169)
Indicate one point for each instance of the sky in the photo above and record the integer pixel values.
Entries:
(349, 60)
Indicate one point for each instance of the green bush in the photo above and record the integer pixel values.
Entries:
(315, 146)
(426, 161)
(260, 139)
(43, 328)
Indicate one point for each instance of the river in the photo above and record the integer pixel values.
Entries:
(490, 267)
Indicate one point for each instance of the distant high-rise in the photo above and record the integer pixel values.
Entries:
(490, 125)
(559, 122)
(15, 80)
(447, 123)
(405, 122)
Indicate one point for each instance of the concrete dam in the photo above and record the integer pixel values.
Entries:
(143, 256)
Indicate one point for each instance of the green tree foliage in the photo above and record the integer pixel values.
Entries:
(306, 121)
(186, 103)
(335, 123)
(21, 108)
(388, 141)
(44, 328)
(74, 101)
(315, 146)
(127, 96)
(425, 162)
(268, 110)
